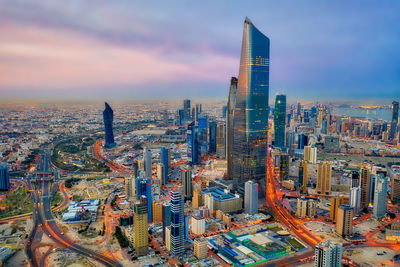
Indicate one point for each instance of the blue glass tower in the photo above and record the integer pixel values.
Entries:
(177, 223)
(192, 152)
(395, 120)
(229, 125)
(108, 116)
(164, 160)
(4, 177)
(302, 141)
(279, 120)
(166, 218)
(202, 134)
(143, 188)
(251, 110)
(212, 146)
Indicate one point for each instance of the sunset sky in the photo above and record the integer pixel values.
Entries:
(176, 49)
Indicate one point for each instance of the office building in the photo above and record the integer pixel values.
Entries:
(221, 152)
(355, 179)
(284, 163)
(135, 168)
(279, 120)
(250, 127)
(177, 223)
(186, 110)
(303, 174)
(229, 125)
(335, 203)
(344, 222)
(290, 139)
(365, 187)
(192, 150)
(141, 229)
(130, 188)
(324, 178)
(167, 240)
(197, 200)
(395, 192)
(160, 174)
(165, 161)
(148, 165)
(395, 120)
(212, 137)
(355, 199)
(328, 254)
(200, 249)
(305, 208)
(251, 197)
(310, 154)
(143, 188)
(198, 225)
(186, 176)
(4, 177)
(166, 219)
(209, 202)
(302, 141)
(108, 117)
(222, 200)
(157, 211)
(380, 199)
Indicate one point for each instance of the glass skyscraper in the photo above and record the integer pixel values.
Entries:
(164, 160)
(229, 127)
(108, 116)
(177, 223)
(192, 151)
(143, 188)
(250, 121)
(4, 177)
(395, 120)
(186, 110)
(279, 120)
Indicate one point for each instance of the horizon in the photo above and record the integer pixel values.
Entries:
(126, 51)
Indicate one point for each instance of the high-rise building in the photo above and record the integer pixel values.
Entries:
(4, 177)
(212, 137)
(192, 150)
(221, 140)
(284, 163)
(141, 229)
(108, 117)
(180, 120)
(200, 248)
(135, 168)
(365, 187)
(355, 199)
(251, 197)
(224, 111)
(395, 120)
(177, 223)
(197, 200)
(130, 188)
(395, 192)
(160, 173)
(186, 110)
(229, 125)
(324, 178)
(302, 141)
(328, 254)
(290, 139)
(303, 174)
(209, 202)
(279, 120)
(147, 157)
(157, 211)
(344, 222)
(250, 124)
(355, 179)
(305, 208)
(143, 188)
(165, 161)
(335, 203)
(203, 134)
(198, 225)
(380, 199)
(166, 219)
(167, 240)
(186, 176)
(310, 154)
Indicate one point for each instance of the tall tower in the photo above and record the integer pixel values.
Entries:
(279, 120)
(251, 197)
(186, 176)
(4, 177)
(141, 229)
(177, 223)
(165, 161)
(221, 140)
(395, 120)
(380, 199)
(192, 150)
(303, 174)
(186, 110)
(147, 158)
(344, 223)
(324, 178)
(250, 126)
(143, 188)
(328, 254)
(229, 125)
(355, 199)
(108, 117)
(365, 186)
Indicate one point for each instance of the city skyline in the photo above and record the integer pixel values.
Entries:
(147, 53)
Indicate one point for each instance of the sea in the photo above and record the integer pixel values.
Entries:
(384, 114)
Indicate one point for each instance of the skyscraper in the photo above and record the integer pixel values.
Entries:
(141, 229)
(328, 254)
(344, 222)
(192, 149)
(186, 176)
(251, 197)
(130, 188)
(380, 199)
(221, 152)
(251, 111)
(108, 116)
(310, 154)
(177, 223)
(395, 192)
(147, 157)
(143, 188)
(365, 187)
(186, 110)
(165, 161)
(324, 178)
(355, 199)
(212, 137)
(279, 120)
(229, 125)
(395, 120)
(335, 203)
(160, 174)
(303, 174)
(4, 177)
(166, 218)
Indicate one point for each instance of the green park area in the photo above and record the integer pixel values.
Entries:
(295, 244)
(76, 155)
(16, 203)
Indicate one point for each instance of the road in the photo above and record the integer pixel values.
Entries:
(44, 222)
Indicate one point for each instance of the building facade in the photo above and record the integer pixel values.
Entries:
(324, 178)
(108, 117)
(177, 223)
(251, 197)
(280, 120)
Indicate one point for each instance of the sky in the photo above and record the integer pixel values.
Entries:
(178, 49)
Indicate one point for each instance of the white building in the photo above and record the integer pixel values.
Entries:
(310, 154)
(355, 199)
(198, 225)
(251, 197)
(168, 238)
(209, 202)
(328, 254)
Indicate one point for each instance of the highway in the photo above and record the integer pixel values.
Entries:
(43, 191)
